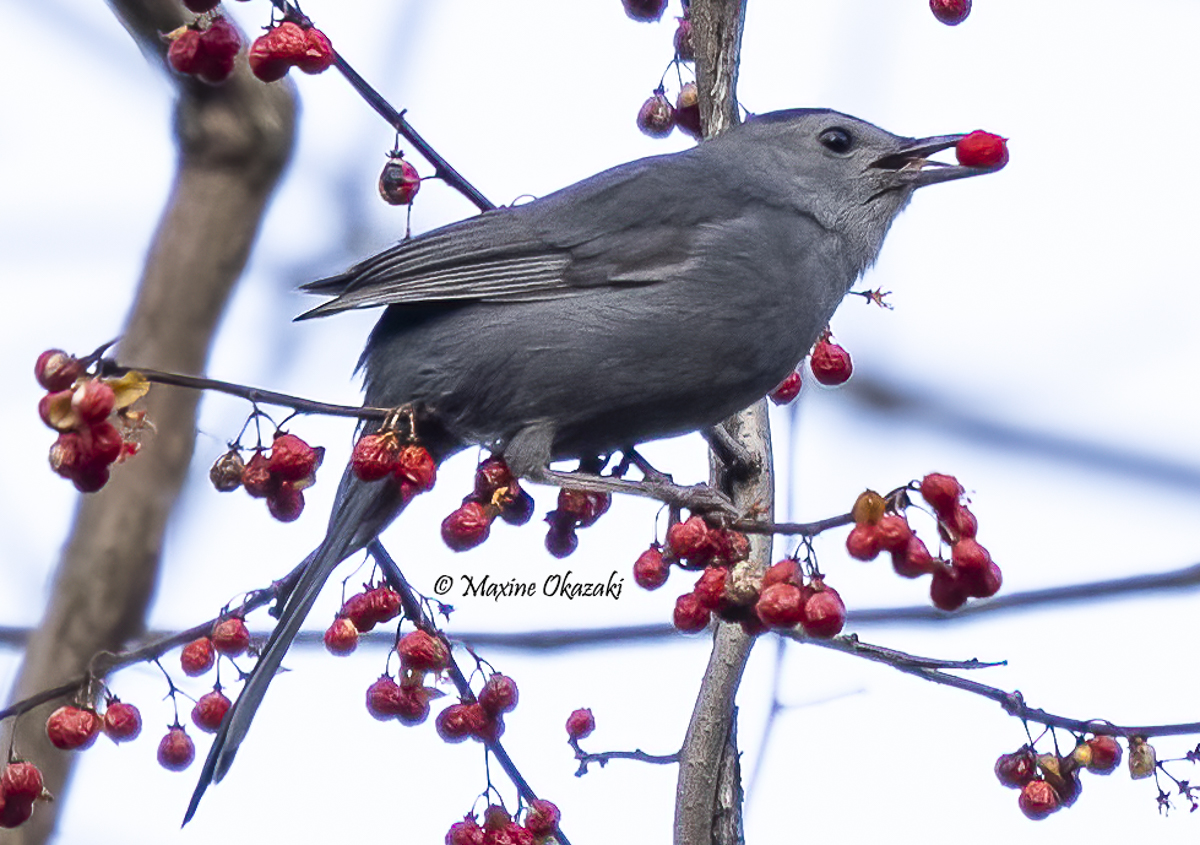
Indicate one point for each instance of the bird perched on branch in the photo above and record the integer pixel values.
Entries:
(652, 299)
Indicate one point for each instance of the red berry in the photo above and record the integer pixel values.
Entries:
(176, 751)
(787, 390)
(824, 612)
(685, 49)
(341, 638)
(55, 411)
(1106, 754)
(894, 533)
(422, 653)
(230, 637)
(781, 605)
(690, 540)
(198, 657)
(21, 782)
(950, 12)
(122, 721)
(219, 44)
(947, 590)
(730, 547)
(499, 695)
(55, 370)
(561, 540)
(382, 604)
(292, 459)
(375, 456)
(491, 476)
(286, 502)
(687, 110)
(466, 832)
(984, 584)
(412, 708)
(584, 507)
(101, 443)
(542, 817)
(787, 571)
(518, 511)
(90, 477)
(580, 723)
(863, 541)
(962, 521)
(982, 149)
(273, 53)
(318, 52)
(645, 10)
(257, 477)
(830, 363)
(93, 400)
(210, 709)
(67, 454)
(184, 53)
(942, 492)
(656, 117)
(1038, 799)
(468, 526)
(384, 698)
(459, 721)
(710, 587)
(415, 465)
(651, 570)
(14, 812)
(690, 615)
(399, 181)
(914, 560)
(1016, 769)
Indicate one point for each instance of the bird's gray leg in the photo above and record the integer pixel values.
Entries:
(528, 455)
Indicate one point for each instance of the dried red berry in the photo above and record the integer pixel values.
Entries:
(586, 507)
(198, 657)
(21, 782)
(645, 10)
(210, 709)
(399, 181)
(384, 698)
(1106, 754)
(787, 390)
(422, 653)
(942, 492)
(982, 149)
(207, 54)
(656, 117)
(894, 533)
(375, 456)
(651, 570)
(947, 590)
(382, 605)
(685, 49)
(962, 521)
(580, 723)
(318, 52)
(690, 615)
(824, 612)
(56, 370)
(863, 541)
(54, 409)
(341, 638)
(689, 540)
(292, 459)
(499, 695)
(415, 465)
(781, 605)
(122, 721)
(542, 817)
(459, 721)
(729, 547)
(950, 12)
(230, 636)
(226, 472)
(412, 708)
(466, 832)
(710, 587)
(1038, 799)
(561, 540)
(93, 400)
(1016, 769)
(273, 53)
(914, 561)
(257, 477)
(286, 502)
(176, 751)
(687, 110)
(468, 526)
(14, 812)
(830, 363)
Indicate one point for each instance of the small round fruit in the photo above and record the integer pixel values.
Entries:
(257, 477)
(542, 817)
(1038, 799)
(830, 363)
(226, 472)
(460, 721)
(1106, 754)
(947, 591)
(72, 728)
(230, 636)
(787, 390)
(318, 52)
(21, 782)
(375, 456)
(982, 149)
(56, 370)
(499, 695)
(824, 612)
(690, 616)
(863, 542)
(645, 10)
(341, 638)
(651, 569)
(176, 751)
(687, 110)
(656, 117)
(950, 12)
(399, 182)
(210, 709)
(942, 492)
(122, 721)
(286, 502)
(421, 652)
(561, 540)
(781, 605)
(1016, 769)
(468, 526)
(415, 465)
(198, 657)
(685, 47)
(93, 400)
(580, 723)
(689, 540)
(292, 459)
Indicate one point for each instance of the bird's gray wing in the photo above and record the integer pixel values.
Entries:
(632, 225)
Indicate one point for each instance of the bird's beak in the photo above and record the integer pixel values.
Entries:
(912, 162)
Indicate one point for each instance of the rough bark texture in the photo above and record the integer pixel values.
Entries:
(708, 794)
(234, 141)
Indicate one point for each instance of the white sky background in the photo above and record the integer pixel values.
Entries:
(1058, 296)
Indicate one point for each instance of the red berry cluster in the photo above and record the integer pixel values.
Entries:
(205, 49)
(576, 509)
(20, 786)
(361, 613)
(408, 700)
(499, 828)
(970, 572)
(950, 12)
(1049, 782)
(288, 45)
(407, 465)
(280, 477)
(497, 493)
(482, 719)
(657, 117)
(229, 636)
(83, 410)
(399, 181)
(74, 728)
(982, 149)
(830, 365)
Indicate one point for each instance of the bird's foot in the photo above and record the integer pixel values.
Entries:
(696, 497)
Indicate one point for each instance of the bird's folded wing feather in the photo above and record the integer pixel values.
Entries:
(632, 225)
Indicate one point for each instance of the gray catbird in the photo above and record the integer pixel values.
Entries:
(652, 299)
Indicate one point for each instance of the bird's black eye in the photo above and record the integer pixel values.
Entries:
(836, 140)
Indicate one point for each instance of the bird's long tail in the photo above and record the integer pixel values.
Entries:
(361, 511)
